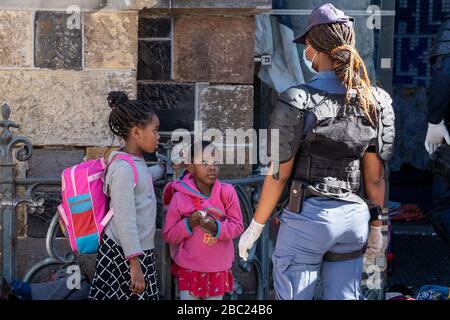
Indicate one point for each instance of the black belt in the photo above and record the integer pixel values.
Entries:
(336, 257)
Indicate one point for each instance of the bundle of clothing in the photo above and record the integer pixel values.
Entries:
(405, 212)
(427, 292)
(61, 286)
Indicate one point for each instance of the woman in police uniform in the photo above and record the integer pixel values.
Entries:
(335, 131)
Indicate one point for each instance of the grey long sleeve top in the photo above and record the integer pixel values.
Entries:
(133, 223)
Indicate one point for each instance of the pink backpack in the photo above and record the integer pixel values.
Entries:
(84, 210)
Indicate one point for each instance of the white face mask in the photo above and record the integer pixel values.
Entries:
(308, 63)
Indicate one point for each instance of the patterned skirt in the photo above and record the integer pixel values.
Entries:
(203, 284)
(112, 277)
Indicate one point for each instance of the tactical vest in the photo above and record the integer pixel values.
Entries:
(334, 137)
(328, 159)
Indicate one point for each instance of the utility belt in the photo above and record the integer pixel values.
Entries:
(298, 193)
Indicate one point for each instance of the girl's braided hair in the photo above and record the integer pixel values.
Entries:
(338, 40)
(126, 114)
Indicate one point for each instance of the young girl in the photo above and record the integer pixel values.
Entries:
(202, 220)
(125, 267)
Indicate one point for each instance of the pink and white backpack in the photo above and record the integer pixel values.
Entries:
(84, 210)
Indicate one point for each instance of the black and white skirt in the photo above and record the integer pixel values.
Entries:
(112, 275)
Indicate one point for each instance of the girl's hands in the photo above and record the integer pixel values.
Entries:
(195, 219)
(137, 276)
(199, 219)
(210, 225)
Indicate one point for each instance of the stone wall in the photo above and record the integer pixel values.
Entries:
(181, 61)
(57, 77)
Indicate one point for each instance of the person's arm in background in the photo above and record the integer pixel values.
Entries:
(375, 188)
(439, 95)
(157, 171)
(438, 104)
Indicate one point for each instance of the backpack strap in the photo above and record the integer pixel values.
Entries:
(130, 161)
(167, 194)
(222, 199)
(169, 191)
(107, 217)
(197, 203)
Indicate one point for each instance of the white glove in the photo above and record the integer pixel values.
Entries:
(249, 237)
(375, 241)
(435, 136)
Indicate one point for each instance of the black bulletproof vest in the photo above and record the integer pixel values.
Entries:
(328, 160)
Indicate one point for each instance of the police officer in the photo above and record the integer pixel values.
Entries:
(437, 141)
(333, 131)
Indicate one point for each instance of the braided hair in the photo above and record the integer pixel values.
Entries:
(338, 40)
(126, 114)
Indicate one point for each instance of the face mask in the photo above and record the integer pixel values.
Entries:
(308, 63)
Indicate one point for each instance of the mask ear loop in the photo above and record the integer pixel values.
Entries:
(317, 52)
(312, 61)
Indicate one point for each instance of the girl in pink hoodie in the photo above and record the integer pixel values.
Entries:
(202, 219)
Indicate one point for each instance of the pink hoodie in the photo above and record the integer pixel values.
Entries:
(197, 249)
